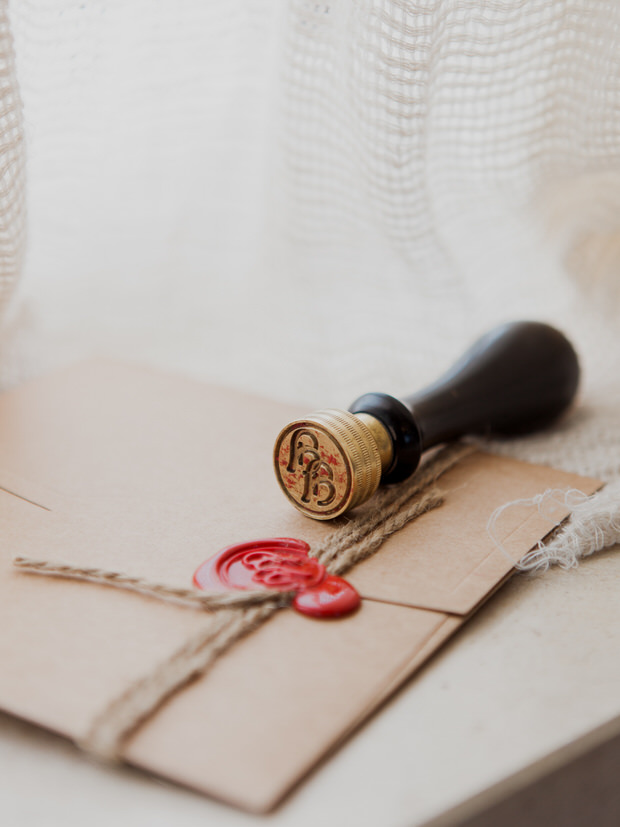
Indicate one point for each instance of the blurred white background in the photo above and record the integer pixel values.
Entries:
(312, 199)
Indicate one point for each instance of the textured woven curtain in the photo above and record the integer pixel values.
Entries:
(314, 199)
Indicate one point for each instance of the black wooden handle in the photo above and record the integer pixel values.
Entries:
(516, 379)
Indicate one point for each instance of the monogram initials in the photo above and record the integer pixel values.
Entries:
(317, 474)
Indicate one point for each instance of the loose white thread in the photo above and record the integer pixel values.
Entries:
(594, 525)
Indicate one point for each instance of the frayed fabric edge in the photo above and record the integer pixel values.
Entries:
(593, 525)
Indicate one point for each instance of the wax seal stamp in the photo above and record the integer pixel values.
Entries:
(282, 564)
(516, 379)
(327, 463)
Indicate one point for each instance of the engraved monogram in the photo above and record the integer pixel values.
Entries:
(317, 474)
(275, 568)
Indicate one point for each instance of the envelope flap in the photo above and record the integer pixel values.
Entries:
(447, 559)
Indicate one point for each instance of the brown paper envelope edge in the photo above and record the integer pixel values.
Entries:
(142, 758)
(145, 749)
(526, 527)
(463, 616)
(446, 628)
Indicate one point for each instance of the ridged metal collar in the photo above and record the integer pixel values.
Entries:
(327, 463)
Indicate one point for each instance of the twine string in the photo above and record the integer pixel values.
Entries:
(190, 598)
(235, 615)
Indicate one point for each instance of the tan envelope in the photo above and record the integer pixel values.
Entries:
(149, 474)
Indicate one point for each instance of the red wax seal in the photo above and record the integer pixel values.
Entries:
(282, 564)
(334, 597)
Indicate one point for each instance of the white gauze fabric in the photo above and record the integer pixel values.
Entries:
(316, 199)
(12, 173)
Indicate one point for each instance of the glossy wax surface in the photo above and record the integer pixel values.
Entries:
(281, 564)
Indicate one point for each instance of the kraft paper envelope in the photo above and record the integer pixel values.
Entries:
(135, 471)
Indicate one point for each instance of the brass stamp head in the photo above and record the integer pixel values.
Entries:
(327, 463)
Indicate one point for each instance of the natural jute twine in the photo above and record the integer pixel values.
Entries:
(239, 613)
